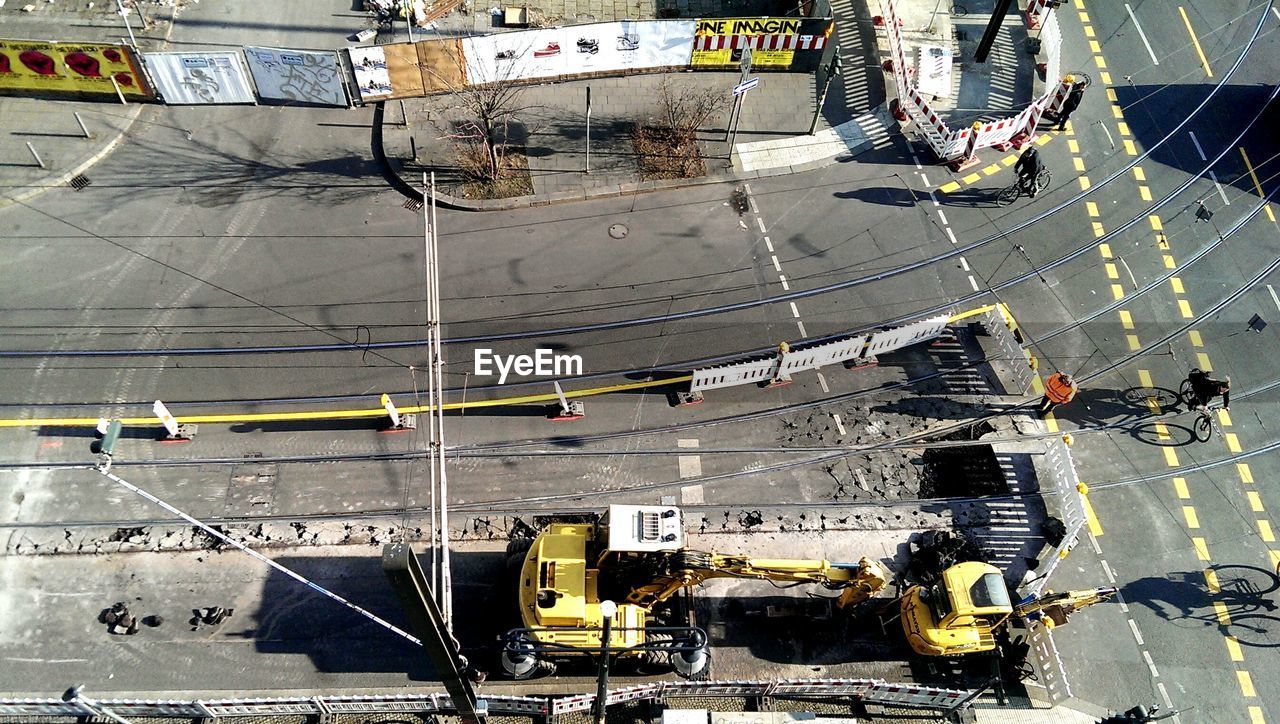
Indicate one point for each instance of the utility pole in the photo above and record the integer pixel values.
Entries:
(833, 70)
(442, 579)
(588, 129)
(607, 611)
(993, 29)
(125, 14)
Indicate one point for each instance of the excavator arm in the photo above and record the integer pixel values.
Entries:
(684, 568)
(1054, 609)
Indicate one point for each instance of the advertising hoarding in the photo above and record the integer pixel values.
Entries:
(201, 77)
(76, 67)
(302, 76)
(719, 42)
(370, 66)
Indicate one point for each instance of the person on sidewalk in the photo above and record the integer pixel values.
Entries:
(1070, 105)
(1059, 389)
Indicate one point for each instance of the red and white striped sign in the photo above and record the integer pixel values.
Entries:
(760, 42)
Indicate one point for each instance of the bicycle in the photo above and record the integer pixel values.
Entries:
(1009, 194)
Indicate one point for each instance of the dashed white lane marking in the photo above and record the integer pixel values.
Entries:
(776, 265)
(934, 198)
(1155, 673)
(1194, 141)
(794, 311)
(754, 208)
(785, 286)
(974, 283)
(1164, 695)
(1226, 201)
(964, 263)
(951, 235)
(1274, 298)
(839, 424)
(1137, 635)
(1134, 18)
(768, 244)
(760, 223)
(1111, 575)
(801, 326)
(942, 215)
(924, 178)
(822, 382)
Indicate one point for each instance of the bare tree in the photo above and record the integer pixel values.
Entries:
(682, 110)
(667, 143)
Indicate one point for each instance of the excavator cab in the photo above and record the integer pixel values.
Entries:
(958, 613)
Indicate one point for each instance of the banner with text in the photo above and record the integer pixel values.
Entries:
(75, 67)
(302, 76)
(593, 48)
(201, 77)
(719, 42)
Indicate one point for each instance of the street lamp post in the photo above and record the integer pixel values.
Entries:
(607, 611)
(125, 14)
(833, 69)
(74, 696)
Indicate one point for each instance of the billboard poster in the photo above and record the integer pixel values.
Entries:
(74, 67)
(594, 48)
(719, 42)
(201, 77)
(301, 76)
(370, 66)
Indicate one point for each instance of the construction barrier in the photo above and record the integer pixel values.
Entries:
(1051, 46)
(789, 361)
(1036, 11)
(874, 691)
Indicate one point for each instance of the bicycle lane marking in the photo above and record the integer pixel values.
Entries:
(946, 223)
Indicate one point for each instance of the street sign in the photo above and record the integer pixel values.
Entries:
(745, 65)
(162, 412)
(745, 86)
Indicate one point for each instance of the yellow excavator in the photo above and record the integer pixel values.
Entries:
(632, 559)
(960, 613)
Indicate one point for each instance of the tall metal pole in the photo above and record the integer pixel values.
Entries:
(588, 129)
(993, 29)
(607, 611)
(446, 578)
(832, 70)
(431, 393)
(125, 14)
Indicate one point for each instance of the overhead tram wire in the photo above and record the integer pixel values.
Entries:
(690, 314)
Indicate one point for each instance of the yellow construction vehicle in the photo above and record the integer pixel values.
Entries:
(960, 613)
(634, 556)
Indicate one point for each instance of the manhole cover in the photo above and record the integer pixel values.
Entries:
(618, 231)
(413, 205)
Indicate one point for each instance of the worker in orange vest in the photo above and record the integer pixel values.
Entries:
(1059, 389)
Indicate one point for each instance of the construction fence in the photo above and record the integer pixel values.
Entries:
(869, 691)
(959, 146)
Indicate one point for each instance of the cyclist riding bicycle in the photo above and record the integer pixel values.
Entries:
(1204, 388)
(1029, 167)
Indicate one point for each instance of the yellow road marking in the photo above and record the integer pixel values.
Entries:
(1211, 580)
(1079, 162)
(1176, 283)
(1105, 77)
(1233, 648)
(1204, 62)
(1162, 242)
(1220, 608)
(971, 178)
(1111, 95)
(1170, 456)
(1253, 175)
(1123, 128)
(1099, 61)
(1189, 513)
(1073, 145)
(1009, 160)
(971, 313)
(1224, 417)
(1098, 233)
(1233, 442)
(1255, 715)
(1117, 291)
(1084, 17)
(1044, 138)
(1104, 248)
(1255, 501)
(1095, 48)
(1155, 223)
(1143, 191)
(1139, 174)
(1202, 552)
(1134, 344)
(1180, 487)
(1091, 209)
(1162, 431)
(1264, 530)
(1246, 473)
(948, 187)
(1202, 361)
(1084, 183)
(1117, 111)
(1126, 321)
(1246, 681)
(1088, 33)
(993, 168)
(1169, 263)
(1050, 422)
(1112, 271)
(1185, 307)
(1194, 336)
(1129, 148)
(1095, 526)
(1037, 386)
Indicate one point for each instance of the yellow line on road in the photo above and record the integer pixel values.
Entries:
(1170, 456)
(1095, 526)
(1253, 175)
(1246, 472)
(1255, 501)
(1189, 513)
(1204, 62)
(1246, 684)
(1211, 580)
(1233, 649)
(1180, 486)
(1220, 608)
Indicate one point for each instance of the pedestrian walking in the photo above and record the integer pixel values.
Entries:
(1058, 390)
(1070, 104)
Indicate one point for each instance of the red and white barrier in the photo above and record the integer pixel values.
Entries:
(1060, 94)
(760, 42)
(1036, 10)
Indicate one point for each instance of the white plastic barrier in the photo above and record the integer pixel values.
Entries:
(1051, 46)
(889, 340)
(812, 358)
(742, 373)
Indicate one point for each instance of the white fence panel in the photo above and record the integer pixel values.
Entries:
(905, 336)
(304, 76)
(730, 375)
(1051, 41)
(201, 77)
(812, 358)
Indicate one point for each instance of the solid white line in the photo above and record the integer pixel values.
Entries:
(1274, 298)
(1137, 635)
(776, 265)
(942, 216)
(973, 283)
(1217, 185)
(839, 425)
(1277, 13)
(768, 244)
(924, 178)
(1093, 542)
(1196, 143)
(1111, 576)
(964, 264)
(760, 222)
(951, 235)
(785, 286)
(1142, 35)
(801, 326)
(822, 382)
(795, 312)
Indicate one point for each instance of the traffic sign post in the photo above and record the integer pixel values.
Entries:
(174, 432)
(399, 423)
(744, 74)
(833, 70)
